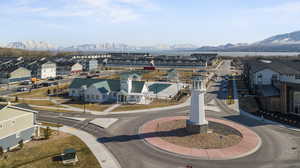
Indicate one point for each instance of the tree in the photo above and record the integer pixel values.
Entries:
(47, 133)
(21, 144)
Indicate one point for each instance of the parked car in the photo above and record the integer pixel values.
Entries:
(22, 89)
(51, 79)
(59, 78)
(26, 83)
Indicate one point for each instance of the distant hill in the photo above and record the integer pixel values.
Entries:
(289, 42)
(282, 39)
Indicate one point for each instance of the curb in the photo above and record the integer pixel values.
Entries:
(246, 147)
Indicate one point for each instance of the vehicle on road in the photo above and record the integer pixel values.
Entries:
(22, 89)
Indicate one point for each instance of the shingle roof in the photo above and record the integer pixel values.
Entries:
(137, 86)
(79, 82)
(282, 67)
(105, 85)
(158, 87)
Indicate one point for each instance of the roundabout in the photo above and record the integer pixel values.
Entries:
(236, 141)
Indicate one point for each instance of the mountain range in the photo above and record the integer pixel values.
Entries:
(289, 42)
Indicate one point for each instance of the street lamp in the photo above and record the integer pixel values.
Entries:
(83, 88)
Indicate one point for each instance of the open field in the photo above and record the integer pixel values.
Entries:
(41, 92)
(153, 75)
(39, 154)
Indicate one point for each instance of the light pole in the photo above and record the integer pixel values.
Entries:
(84, 88)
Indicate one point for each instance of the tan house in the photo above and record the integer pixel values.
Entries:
(16, 125)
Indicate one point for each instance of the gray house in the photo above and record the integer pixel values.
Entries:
(16, 125)
(14, 74)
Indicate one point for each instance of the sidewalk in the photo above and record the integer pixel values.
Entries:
(185, 104)
(103, 155)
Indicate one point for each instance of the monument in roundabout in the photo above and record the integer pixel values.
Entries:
(198, 136)
(197, 122)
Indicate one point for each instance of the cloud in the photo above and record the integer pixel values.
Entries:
(115, 11)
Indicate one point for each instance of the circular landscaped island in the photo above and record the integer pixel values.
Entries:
(218, 135)
(224, 139)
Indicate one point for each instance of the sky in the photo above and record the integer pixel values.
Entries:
(146, 22)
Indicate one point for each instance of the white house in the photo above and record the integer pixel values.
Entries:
(48, 70)
(129, 89)
(43, 69)
(126, 90)
(76, 68)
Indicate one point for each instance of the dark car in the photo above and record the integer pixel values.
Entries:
(59, 78)
(22, 89)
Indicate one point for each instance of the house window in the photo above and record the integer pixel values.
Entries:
(297, 76)
(97, 97)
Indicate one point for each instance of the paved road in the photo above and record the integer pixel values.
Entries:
(280, 146)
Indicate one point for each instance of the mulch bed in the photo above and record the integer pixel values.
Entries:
(174, 132)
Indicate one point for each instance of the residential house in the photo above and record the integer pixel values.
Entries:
(43, 69)
(76, 68)
(14, 74)
(126, 90)
(17, 125)
(277, 83)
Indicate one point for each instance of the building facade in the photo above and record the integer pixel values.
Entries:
(16, 125)
(14, 75)
(276, 83)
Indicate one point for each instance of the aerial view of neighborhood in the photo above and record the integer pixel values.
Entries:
(149, 84)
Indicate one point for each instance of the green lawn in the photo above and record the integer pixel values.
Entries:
(39, 154)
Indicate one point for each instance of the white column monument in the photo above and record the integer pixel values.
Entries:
(197, 122)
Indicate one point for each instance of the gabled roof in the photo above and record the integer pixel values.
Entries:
(105, 85)
(282, 67)
(79, 82)
(158, 87)
(137, 86)
(9, 111)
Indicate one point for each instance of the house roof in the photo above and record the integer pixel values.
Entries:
(158, 87)
(137, 86)
(282, 67)
(9, 112)
(105, 85)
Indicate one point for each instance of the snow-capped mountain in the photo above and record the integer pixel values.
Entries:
(288, 38)
(32, 45)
